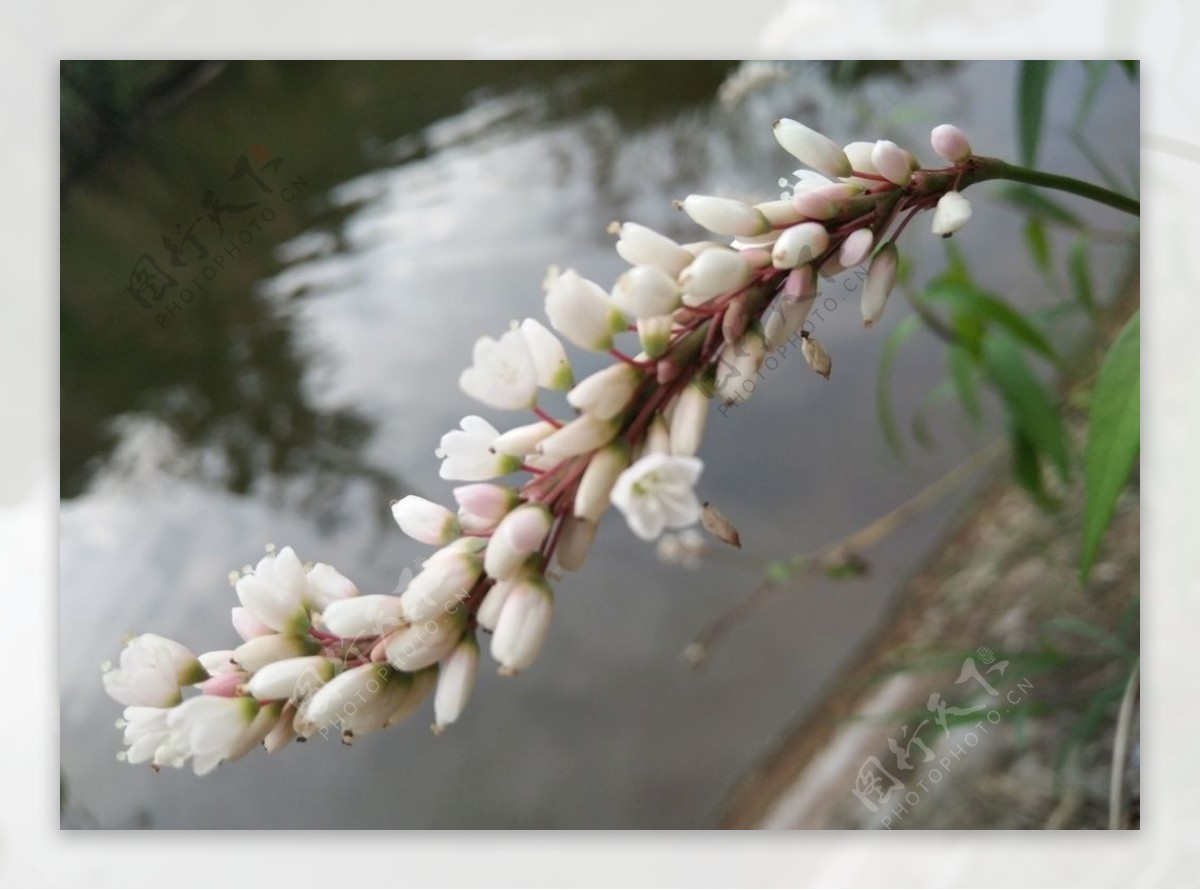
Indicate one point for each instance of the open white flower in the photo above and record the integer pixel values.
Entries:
(658, 492)
(467, 454)
(581, 311)
(503, 374)
(549, 357)
(205, 730)
(151, 671)
(277, 592)
(145, 732)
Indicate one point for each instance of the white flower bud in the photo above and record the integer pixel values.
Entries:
(420, 645)
(420, 685)
(522, 626)
(219, 661)
(779, 213)
(799, 245)
(891, 161)
(256, 654)
(816, 356)
(364, 616)
(645, 292)
(605, 394)
(488, 612)
(715, 271)
(294, 678)
(859, 154)
(482, 505)
(455, 681)
(881, 278)
(283, 731)
(655, 334)
(446, 579)
(812, 148)
(424, 521)
(689, 417)
(151, 671)
(522, 440)
(641, 246)
(725, 216)
(737, 362)
(516, 538)
(549, 357)
(247, 626)
(583, 434)
(658, 436)
(856, 247)
(952, 213)
(359, 699)
(327, 585)
(574, 543)
(592, 495)
(950, 143)
(581, 311)
(798, 288)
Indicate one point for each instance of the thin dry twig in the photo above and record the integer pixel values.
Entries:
(842, 555)
(1116, 783)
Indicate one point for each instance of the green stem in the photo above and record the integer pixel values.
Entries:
(983, 169)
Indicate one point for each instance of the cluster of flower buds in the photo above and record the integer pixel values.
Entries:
(316, 655)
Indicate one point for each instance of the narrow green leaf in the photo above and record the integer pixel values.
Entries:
(1114, 436)
(1034, 202)
(1032, 81)
(1079, 268)
(920, 419)
(987, 308)
(1130, 67)
(961, 367)
(883, 391)
(1029, 404)
(1097, 70)
(1038, 244)
(1027, 469)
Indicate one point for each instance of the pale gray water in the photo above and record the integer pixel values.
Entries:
(309, 387)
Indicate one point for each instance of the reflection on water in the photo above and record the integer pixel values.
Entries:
(307, 388)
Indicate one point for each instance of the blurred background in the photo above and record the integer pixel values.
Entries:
(272, 274)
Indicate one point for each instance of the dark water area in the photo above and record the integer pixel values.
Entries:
(343, 232)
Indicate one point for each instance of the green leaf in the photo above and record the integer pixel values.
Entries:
(1096, 70)
(883, 397)
(969, 302)
(1032, 409)
(1114, 436)
(1035, 203)
(1027, 470)
(1130, 67)
(1032, 81)
(960, 365)
(1038, 244)
(1079, 269)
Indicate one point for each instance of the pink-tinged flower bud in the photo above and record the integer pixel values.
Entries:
(826, 201)
(784, 320)
(881, 278)
(952, 213)
(583, 434)
(950, 143)
(581, 311)
(779, 213)
(891, 161)
(425, 521)
(799, 286)
(549, 357)
(856, 247)
(247, 626)
(228, 684)
(725, 216)
(522, 626)
(364, 616)
(641, 246)
(443, 585)
(689, 417)
(254, 655)
(292, 678)
(812, 148)
(592, 495)
(716, 271)
(645, 292)
(516, 538)
(816, 356)
(655, 334)
(605, 394)
(485, 504)
(420, 645)
(574, 543)
(522, 440)
(799, 245)
(456, 680)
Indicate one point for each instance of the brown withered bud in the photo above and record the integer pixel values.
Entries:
(816, 356)
(719, 526)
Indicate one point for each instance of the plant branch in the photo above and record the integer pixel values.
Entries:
(983, 169)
